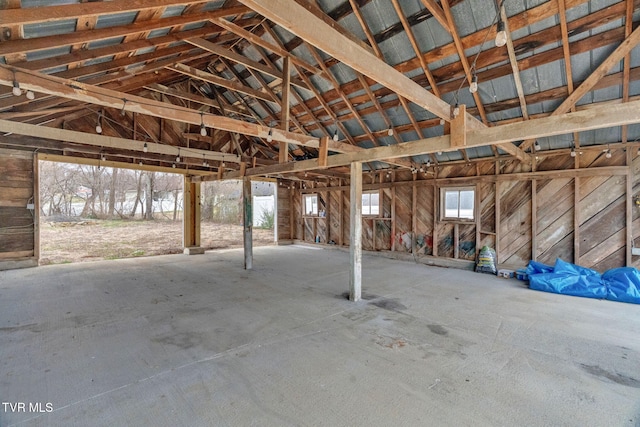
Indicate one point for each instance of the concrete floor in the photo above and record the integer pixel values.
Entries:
(197, 341)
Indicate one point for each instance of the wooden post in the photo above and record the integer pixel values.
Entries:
(191, 217)
(248, 223)
(534, 219)
(576, 220)
(393, 215)
(284, 107)
(498, 219)
(414, 209)
(629, 206)
(341, 217)
(355, 248)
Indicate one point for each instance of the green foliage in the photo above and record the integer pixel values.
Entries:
(266, 220)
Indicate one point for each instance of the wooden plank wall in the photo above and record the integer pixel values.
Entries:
(18, 238)
(541, 211)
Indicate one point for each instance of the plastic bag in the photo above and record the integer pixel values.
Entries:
(486, 261)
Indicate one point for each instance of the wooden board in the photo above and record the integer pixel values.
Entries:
(17, 230)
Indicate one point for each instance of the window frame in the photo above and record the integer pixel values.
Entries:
(370, 215)
(459, 189)
(304, 205)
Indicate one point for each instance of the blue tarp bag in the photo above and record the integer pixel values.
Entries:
(536, 267)
(623, 284)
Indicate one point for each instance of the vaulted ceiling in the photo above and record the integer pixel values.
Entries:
(265, 85)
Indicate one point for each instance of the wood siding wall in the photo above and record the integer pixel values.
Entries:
(18, 237)
(558, 210)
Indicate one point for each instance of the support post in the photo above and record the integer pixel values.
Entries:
(248, 223)
(191, 217)
(283, 151)
(355, 248)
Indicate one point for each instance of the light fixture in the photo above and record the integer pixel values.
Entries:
(335, 135)
(173, 165)
(473, 87)
(30, 95)
(390, 131)
(103, 158)
(178, 156)
(572, 153)
(140, 162)
(204, 161)
(98, 126)
(456, 110)
(16, 88)
(124, 104)
(607, 153)
(145, 148)
(222, 165)
(442, 122)
(428, 164)
(536, 146)
(501, 34)
(439, 153)
(203, 129)
(270, 135)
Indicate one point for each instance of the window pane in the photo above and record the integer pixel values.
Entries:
(451, 204)
(366, 209)
(311, 205)
(466, 204)
(375, 203)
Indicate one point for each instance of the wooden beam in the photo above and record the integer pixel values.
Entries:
(109, 98)
(614, 58)
(110, 142)
(156, 87)
(73, 11)
(316, 32)
(283, 152)
(323, 152)
(513, 60)
(597, 118)
(80, 37)
(355, 242)
(437, 13)
(122, 165)
(219, 81)
(240, 59)
(459, 127)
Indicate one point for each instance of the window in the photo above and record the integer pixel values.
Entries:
(310, 203)
(371, 203)
(457, 203)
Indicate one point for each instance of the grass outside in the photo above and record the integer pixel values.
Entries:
(93, 240)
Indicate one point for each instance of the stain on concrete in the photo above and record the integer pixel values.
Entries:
(611, 376)
(365, 296)
(31, 327)
(183, 340)
(438, 329)
(391, 304)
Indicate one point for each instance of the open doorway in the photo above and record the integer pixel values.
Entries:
(90, 213)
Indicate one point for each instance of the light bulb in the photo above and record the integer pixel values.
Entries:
(270, 135)
(608, 154)
(31, 95)
(140, 163)
(178, 159)
(145, 148)
(16, 88)
(203, 130)
(473, 87)
(122, 112)
(456, 110)
(536, 146)
(103, 158)
(98, 128)
(572, 152)
(501, 34)
(390, 131)
(335, 135)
